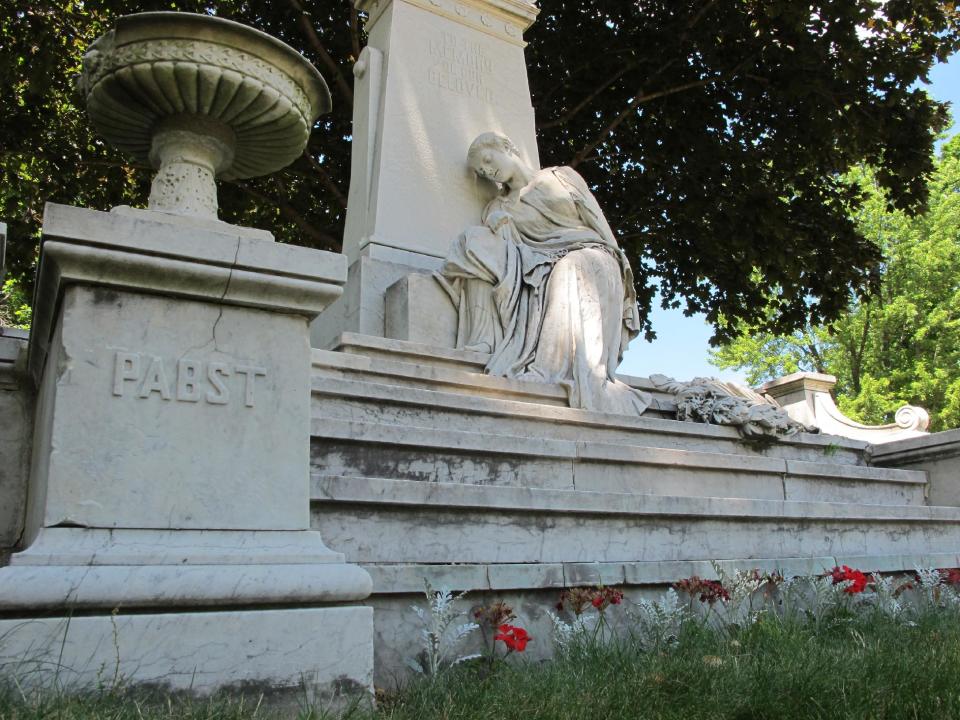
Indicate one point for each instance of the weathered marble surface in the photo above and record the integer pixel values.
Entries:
(362, 308)
(281, 653)
(417, 309)
(195, 415)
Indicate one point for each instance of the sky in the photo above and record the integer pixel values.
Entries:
(681, 348)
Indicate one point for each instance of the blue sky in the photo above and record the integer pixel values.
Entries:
(681, 347)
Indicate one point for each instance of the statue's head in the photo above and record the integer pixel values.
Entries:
(493, 156)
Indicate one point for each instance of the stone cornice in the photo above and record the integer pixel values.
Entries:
(141, 252)
(503, 19)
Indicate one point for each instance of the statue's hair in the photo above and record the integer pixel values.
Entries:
(492, 140)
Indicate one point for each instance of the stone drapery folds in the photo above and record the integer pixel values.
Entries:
(542, 285)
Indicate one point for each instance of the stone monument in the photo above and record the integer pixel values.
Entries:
(210, 499)
(168, 497)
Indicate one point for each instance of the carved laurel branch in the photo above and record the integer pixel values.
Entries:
(711, 401)
(99, 64)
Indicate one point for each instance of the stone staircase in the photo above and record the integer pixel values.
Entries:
(423, 467)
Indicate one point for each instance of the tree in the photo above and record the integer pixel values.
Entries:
(716, 135)
(902, 345)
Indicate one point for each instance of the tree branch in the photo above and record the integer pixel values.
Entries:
(325, 178)
(310, 32)
(857, 361)
(354, 29)
(634, 104)
(627, 67)
(565, 79)
(815, 355)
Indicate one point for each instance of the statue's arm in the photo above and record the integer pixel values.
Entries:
(495, 215)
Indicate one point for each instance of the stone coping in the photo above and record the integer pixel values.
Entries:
(12, 341)
(409, 578)
(923, 447)
(524, 500)
(819, 382)
(191, 240)
(176, 259)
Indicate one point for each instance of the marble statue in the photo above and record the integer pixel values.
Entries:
(542, 285)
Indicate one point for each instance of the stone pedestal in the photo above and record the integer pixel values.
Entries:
(434, 76)
(170, 469)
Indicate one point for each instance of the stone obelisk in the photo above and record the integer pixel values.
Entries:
(435, 74)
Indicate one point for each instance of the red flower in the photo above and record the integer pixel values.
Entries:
(709, 590)
(950, 576)
(515, 638)
(597, 601)
(858, 581)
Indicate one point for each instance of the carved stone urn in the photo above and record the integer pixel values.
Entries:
(200, 98)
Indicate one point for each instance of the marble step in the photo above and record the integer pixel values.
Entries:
(345, 389)
(408, 577)
(354, 448)
(396, 522)
(410, 364)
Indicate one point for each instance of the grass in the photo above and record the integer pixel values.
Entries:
(113, 705)
(848, 667)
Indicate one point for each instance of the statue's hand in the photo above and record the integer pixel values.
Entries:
(497, 219)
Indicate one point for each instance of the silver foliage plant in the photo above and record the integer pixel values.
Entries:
(440, 634)
(657, 624)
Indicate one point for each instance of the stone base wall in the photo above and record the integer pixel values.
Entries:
(937, 454)
(423, 469)
(282, 654)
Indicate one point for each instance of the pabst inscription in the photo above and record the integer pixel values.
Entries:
(143, 376)
(461, 66)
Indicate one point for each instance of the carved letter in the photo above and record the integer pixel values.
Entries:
(155, 380)
(220, 395)
(127, 367)
(188, 385)
(250, 374)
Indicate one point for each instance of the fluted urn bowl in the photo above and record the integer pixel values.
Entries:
(200, 98)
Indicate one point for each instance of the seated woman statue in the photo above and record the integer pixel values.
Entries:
(543, 285)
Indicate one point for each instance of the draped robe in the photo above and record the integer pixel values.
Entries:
(550, 294)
